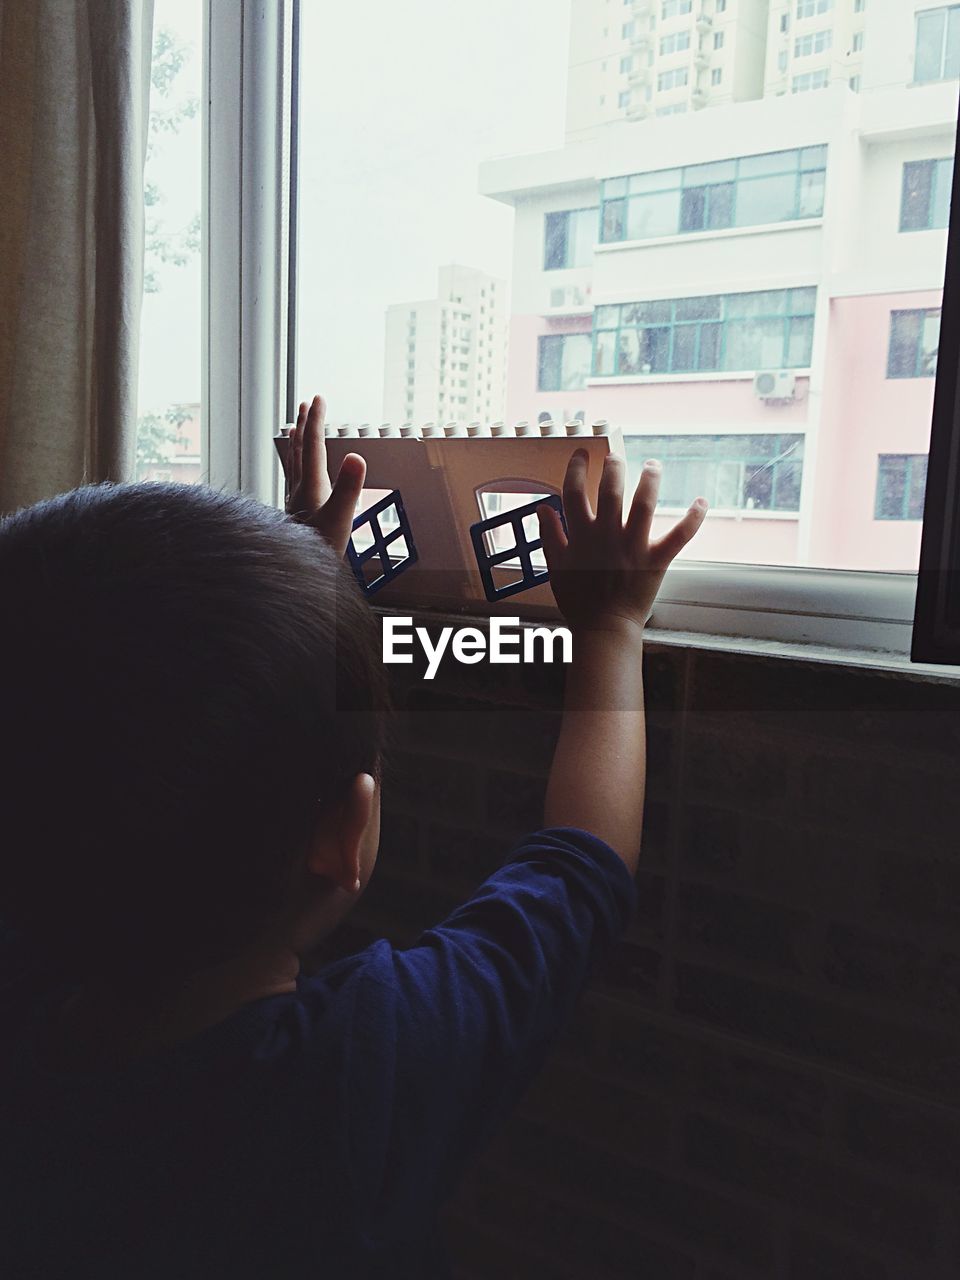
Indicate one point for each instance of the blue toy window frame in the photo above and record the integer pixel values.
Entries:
(523, 549)
(382, 543)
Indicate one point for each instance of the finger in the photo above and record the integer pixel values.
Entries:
(665, 549)
(314, 459)
(644, 504)
(335, 518)
(576, 505)
(551, 536)
(296, 449)
(610, 493)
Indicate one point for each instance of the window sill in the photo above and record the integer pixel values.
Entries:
(731, 513)
(711, 375)
(721, 233)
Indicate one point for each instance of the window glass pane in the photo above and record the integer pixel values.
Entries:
(614, 221)
(813, 158)
(903, 356)
(758, 488)
(916, 196)
(693, 209)
(951, 58)
(720, 206)
(582, 237)
(943, 184)
(800, 342)
(766, 303)
(628, 354)
(771, 162)
(614, 187)
(754, 344)
(662, 180)
(891, 488)
(550, 360)
(702, 175)
(697, 308)
(916, 488)
(811, 195)
(607, 317)
(647, 312)
(710, 339)
(653, 215)
(685, 347)
(771, 199)
(169, 443)
(605, 352)
(555, 250)
(787, 486)
(576, 354)
(654, 350)
(929, 339)
(729, 478)
(929, 51)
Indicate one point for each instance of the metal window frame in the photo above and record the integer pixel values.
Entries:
(249, 243)
(787, 318)
(924, 312)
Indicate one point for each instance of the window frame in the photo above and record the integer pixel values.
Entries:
(248, 60)
(249, 218)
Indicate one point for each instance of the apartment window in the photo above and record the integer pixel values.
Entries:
(854, 83)
(780, 186)
(720, 5)
(675, 8)
(733, 472)
(674, 79)
(564, 362)
(811, 80)
(623, 100)
(814, 42)
(569, 238)
(674, 109)
(716, 75)
(925, 197)
(914, 338)
(857, 45)
(740, 332)
(809, 8)
(626, 63)
(675, 43)
(859, 6)
(718, 39)
(782, 58)
(937, 54)
(901, 485)
(627, 31)
(784, 23)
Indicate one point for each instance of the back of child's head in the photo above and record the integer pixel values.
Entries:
(187, 678)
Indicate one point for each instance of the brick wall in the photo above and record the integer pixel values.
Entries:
(765, 1080)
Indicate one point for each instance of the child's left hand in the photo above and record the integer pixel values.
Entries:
(312, 500)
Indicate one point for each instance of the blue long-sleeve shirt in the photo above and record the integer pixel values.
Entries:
(316, 1133)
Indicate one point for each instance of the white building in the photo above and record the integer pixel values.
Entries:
(660, 266)
(445, 357)
(648, 58)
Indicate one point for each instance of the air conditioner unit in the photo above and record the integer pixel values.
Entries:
(698, 99)
(569, 297)
(701, 58)
(704, 22)
(775, 384)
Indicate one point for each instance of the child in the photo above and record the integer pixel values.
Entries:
(193, 711)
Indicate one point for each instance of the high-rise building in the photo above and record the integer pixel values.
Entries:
(445, 356)
(752, 292)
(648, 58)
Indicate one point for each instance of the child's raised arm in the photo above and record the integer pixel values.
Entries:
(605, 576)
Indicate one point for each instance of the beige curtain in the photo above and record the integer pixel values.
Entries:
(74, 102)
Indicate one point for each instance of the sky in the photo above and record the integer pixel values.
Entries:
(400, 105)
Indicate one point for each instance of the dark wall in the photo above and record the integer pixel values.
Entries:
(765, 1080)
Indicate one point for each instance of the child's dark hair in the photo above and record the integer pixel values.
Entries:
(186, 678)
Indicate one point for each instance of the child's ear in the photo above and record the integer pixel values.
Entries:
(338, 840)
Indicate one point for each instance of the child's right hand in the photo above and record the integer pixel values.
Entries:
(605, 573)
